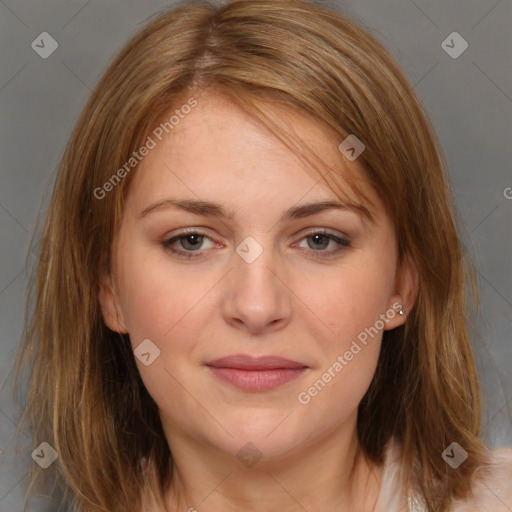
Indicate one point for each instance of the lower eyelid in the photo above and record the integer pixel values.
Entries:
(341, 243)
(170, 241)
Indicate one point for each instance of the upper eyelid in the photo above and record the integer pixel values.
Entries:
(312, 231)
(342, 243)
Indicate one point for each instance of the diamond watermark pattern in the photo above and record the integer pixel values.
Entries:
(45, 455)
(147, 352)
(454, 45)
(454, 455)
(249, 250)
(351, 147)
(44, 45)
(249, 455)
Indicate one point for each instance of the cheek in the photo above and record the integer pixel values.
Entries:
(348, 307)
(333, 395)
(350, 304)
(348, 299)
(163, 304)
(156, 296)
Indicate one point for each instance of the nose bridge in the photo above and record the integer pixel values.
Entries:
(255, 267)
(256, 295)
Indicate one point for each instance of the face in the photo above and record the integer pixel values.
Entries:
(296, 303)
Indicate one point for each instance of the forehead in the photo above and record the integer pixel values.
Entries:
(218, 151)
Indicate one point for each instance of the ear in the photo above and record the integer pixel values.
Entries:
(110, 307)
(406, 292)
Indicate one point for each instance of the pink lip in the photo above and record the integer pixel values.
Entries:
(256, 374)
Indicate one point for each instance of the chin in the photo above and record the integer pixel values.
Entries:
(265, 434)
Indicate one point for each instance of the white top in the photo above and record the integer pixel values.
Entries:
(492, 494)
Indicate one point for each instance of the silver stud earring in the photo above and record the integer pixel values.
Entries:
(402, 312)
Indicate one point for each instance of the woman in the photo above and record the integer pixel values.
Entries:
(195, 346)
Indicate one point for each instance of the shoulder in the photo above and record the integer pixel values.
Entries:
(492, 486)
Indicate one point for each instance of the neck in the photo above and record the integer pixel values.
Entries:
(330, 474)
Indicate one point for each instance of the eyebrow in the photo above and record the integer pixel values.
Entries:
(209, 209)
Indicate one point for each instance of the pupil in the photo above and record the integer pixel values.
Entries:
(195, 240)
(318, 238)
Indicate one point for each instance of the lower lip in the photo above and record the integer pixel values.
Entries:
(257, 380)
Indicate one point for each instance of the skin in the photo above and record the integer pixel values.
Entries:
(290, 302)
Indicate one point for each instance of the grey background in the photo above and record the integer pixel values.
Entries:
(469, 100)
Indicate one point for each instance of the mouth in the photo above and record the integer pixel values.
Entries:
(256, 373)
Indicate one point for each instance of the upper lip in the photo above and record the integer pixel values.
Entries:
(246, 362)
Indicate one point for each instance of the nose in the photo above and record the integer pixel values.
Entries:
(257, 298)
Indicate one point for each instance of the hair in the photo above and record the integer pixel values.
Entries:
(85, 395)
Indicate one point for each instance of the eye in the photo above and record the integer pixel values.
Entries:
(191, 243)
(317, 241)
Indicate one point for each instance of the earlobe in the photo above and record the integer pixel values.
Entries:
(110, 307)
(406, 292)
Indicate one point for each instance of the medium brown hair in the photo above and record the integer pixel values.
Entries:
(86, 397)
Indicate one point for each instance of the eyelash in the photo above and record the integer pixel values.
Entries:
(342, 244)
